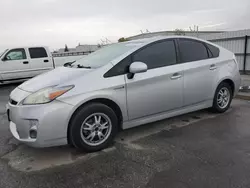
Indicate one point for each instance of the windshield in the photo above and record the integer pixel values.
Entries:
(104, 55)
(3, 52)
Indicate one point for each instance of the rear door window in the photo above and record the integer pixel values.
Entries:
(37, 53)
(192, 50)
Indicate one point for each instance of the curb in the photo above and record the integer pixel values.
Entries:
(244, 93)
(242, 96)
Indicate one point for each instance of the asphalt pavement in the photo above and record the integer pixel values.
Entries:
(200, 149)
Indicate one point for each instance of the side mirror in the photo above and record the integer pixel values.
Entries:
(138, 67)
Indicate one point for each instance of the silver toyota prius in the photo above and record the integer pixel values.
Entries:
(121, 86)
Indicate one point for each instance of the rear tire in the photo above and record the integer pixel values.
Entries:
(93, 127)
(222, 98)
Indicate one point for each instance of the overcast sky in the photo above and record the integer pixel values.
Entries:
(55, 23)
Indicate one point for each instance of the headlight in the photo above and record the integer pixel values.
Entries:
(46, 95)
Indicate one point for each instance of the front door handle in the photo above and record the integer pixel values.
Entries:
(175, 76)
(46, 61)
(213, 67)
(25, 62)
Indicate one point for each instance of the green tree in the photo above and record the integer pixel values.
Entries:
(66, 48)
(179, 32)
(122, 39)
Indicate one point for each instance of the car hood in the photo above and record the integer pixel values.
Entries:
(55, 77)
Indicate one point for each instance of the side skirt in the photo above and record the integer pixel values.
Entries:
(168, 114)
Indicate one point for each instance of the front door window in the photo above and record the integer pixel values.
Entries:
(15, 54)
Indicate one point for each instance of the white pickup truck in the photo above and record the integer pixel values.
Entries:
(24, 63)
(27, 62)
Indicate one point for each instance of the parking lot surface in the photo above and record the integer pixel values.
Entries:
(199, 149)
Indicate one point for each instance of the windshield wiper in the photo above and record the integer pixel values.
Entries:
(85, 67)
(69, 64)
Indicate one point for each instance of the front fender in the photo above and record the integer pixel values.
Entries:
(118, 96)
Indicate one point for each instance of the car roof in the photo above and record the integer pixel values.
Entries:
(154, 39)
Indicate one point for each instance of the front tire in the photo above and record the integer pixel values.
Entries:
(222, 98)
(93, 127)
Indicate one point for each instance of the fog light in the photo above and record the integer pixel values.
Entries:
(33, 133)
(33, 128)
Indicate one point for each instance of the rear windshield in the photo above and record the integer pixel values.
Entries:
(105, 55)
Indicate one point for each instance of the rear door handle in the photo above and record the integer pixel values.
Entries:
(25, 62)
(46, 61)
(175, 76)
(212, 67)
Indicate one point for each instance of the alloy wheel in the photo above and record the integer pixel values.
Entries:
(223, 97)
(96, 129)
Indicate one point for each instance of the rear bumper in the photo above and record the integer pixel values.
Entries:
(50, 121)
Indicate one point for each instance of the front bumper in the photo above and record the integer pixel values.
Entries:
(51, 122)
(13, 130)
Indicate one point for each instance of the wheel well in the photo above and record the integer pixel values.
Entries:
(107, 102)
(231, 83)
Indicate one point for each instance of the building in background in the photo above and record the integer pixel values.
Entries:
(84, 49)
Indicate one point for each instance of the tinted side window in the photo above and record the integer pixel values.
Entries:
(121, 68)
(214, 50)
(16, 54)
(210, 55)
(37, 53)
(192, 50)
(157, 55)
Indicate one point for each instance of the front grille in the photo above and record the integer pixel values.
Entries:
(13, 102)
